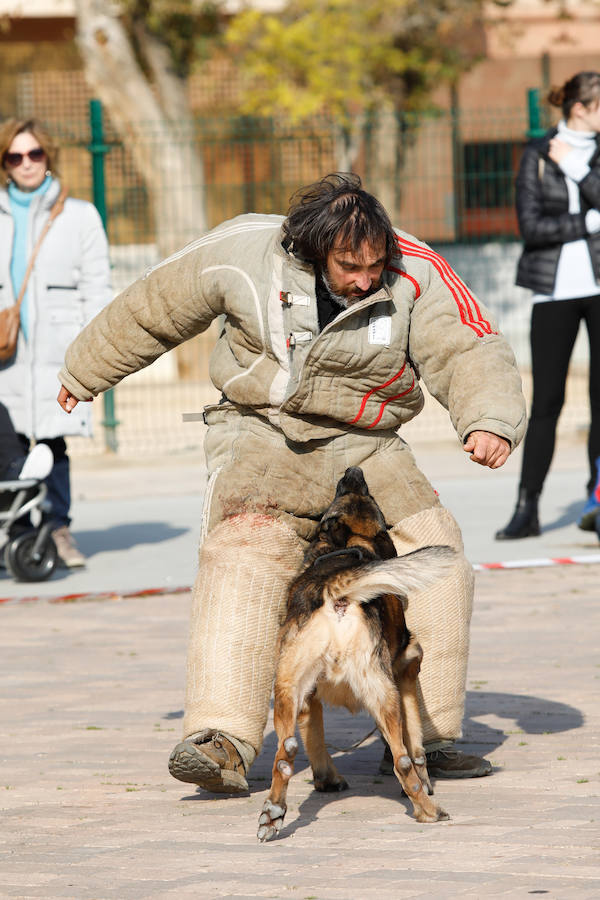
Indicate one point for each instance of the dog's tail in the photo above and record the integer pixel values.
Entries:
(402, 575)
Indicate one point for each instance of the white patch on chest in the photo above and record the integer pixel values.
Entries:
(380, 330)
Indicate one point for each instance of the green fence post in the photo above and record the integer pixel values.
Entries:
(98, 149)
(536, 128)
(459, 175)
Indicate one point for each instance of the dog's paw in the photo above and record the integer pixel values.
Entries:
(330, 783)
(270, 821)
(431, 814)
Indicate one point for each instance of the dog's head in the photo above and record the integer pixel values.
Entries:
(353, 519)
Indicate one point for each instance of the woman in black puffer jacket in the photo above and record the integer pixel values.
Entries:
(558, 207)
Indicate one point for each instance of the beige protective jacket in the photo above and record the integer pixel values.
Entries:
(360, 373)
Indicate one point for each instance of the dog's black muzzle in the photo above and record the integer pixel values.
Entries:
(352, 482)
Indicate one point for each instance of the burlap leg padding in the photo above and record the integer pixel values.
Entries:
(245, 566)
(440, 618)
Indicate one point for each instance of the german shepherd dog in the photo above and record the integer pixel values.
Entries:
(345, 642)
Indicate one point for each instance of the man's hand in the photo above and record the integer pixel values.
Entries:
(67, 400)
(487, 449)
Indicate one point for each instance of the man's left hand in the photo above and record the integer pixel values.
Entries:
(487, 449)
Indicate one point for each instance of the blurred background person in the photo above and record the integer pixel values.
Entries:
(14, 464)
(558, 208)
(69, 284)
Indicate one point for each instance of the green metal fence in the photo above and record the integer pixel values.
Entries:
(445, 176)
(448, 175)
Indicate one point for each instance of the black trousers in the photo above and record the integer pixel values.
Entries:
(58, 481)
(554, 327)
(10, 446)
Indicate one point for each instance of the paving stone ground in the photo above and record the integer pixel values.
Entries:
(91, 707)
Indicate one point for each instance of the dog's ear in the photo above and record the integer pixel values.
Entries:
(335, 532)
(384, 546)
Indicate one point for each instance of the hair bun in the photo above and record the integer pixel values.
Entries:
(556, 97)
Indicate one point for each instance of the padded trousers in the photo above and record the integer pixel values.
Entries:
(264, 499)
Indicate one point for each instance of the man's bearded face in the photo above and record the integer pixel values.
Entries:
(353, 275)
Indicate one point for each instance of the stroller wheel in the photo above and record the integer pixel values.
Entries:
(21, 562)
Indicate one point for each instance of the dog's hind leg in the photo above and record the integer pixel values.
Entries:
(275, 807)
(310, 722)
(406, 671)
(389, 721)
(298, 670)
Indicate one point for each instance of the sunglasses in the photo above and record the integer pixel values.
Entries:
(15, 159)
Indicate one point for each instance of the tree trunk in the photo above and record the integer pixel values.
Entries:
(384, 164)
(153, 122)
(347, 144)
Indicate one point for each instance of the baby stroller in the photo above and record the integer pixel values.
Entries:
(28, 549)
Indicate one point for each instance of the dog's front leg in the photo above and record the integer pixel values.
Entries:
(310, 722)
(275, 807)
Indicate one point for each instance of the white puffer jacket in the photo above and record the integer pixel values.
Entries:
(69, 284)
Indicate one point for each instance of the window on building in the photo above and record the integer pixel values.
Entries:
(487, 189)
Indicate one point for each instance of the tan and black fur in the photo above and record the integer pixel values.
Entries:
(345, 642)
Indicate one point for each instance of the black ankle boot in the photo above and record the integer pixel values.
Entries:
(524, 522)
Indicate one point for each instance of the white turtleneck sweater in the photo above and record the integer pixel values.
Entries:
(574, 275)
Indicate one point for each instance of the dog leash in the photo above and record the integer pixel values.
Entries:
(354, 745)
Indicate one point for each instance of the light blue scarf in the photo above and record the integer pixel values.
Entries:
(20, 202)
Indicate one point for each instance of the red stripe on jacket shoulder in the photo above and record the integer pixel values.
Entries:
(469, 311)
(414, 281)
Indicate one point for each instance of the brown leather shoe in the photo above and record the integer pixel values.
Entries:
(212, 762)
(451, 763)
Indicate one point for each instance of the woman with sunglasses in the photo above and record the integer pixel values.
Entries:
(69, 284)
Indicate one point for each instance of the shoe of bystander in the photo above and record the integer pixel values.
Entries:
(69, 554)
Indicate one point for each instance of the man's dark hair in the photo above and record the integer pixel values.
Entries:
(336, 209)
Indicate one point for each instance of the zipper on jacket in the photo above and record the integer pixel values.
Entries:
(298, 337)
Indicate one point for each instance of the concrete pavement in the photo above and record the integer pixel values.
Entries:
(91, 706)
(92, 702)
(137, 524)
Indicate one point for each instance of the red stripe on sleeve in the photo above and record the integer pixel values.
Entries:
(414, 281)
(470, 312)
